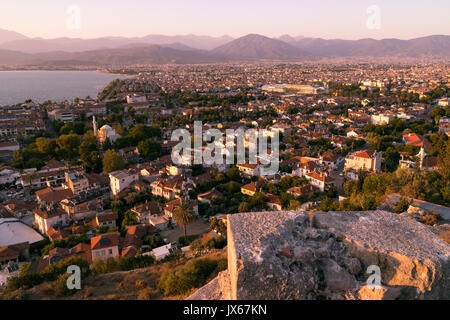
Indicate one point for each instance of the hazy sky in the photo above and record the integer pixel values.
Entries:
(346, 19)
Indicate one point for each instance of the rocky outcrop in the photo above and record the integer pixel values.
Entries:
(294, 255)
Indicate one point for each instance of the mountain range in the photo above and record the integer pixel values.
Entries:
(19, 50)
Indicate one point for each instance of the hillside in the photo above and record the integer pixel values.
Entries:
(7, 36)
(138, 284)
(254, 47)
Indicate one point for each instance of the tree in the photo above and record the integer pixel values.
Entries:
(218, 225)
(184, 216)
(243, 207)
(259, 200)
(112, 161)
(89, 153)
(129, 219)
(149, 149)
(68, 145)
(294, 205)
(436, 113)
(46, 146)
(234, 174)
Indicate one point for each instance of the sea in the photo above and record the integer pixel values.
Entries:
(57, 86)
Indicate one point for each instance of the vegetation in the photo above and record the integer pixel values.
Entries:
(193, 274)
(184, 216)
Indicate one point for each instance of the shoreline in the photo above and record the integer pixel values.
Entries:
(58, 100)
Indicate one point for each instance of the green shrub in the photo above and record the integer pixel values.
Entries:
(60, 286)
(147, 294)
(183, 241)
(402, 205)
(194, 274)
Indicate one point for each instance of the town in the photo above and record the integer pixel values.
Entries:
(92, 181)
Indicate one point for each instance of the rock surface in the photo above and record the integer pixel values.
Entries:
(293, 255)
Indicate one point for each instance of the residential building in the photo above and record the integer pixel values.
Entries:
(119, 180)
(105, 246)
(364, 160)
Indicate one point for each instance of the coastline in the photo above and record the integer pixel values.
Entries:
(12, 96)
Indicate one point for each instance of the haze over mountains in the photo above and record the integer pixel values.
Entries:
(19, 50)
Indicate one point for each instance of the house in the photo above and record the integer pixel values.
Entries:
(49, 216)
(172, 205)
(249, 189)
(7, 150)
(352, 133)
(76, 181)
(82, 250)
(12, 252)
(273, 202)
(119, 180)
(416, 140)
(330, 160)
(50, 195)
(249, 170)
(147, 210)
(9, 175)
(43, 178)
(163, 251)
(135, 235)
(129, 251)
(169, 188)
(57, 234)
(302, 168)
(105, 246)
(364, 160)
(106, 219)
(13, 232)
(209, 196)
(306, 190)
(320, 180)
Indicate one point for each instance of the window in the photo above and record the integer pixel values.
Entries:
(110, 251)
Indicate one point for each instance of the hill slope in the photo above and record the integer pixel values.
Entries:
(253, 47)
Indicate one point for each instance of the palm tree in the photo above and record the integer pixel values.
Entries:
(184, 216)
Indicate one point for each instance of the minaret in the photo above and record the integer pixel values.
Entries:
(421, 156)
(94, 125)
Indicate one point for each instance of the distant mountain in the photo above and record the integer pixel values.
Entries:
(152, 54)
(197, 42)
(40, 45)
(292, 40)
(8, 57)
(7, 36)
(437, 46)
(110, 51)
(254, 47)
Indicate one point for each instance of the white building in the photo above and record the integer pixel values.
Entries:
(9, 175)
(164, 251)
(119, 180)
(13, 232)
(379, 119)
(136, 98)
(45, 218)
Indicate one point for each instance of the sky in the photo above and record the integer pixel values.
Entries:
(329, 19)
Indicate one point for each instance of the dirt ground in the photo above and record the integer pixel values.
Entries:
(199, 226)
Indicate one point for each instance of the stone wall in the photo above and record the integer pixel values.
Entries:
(293, 255)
